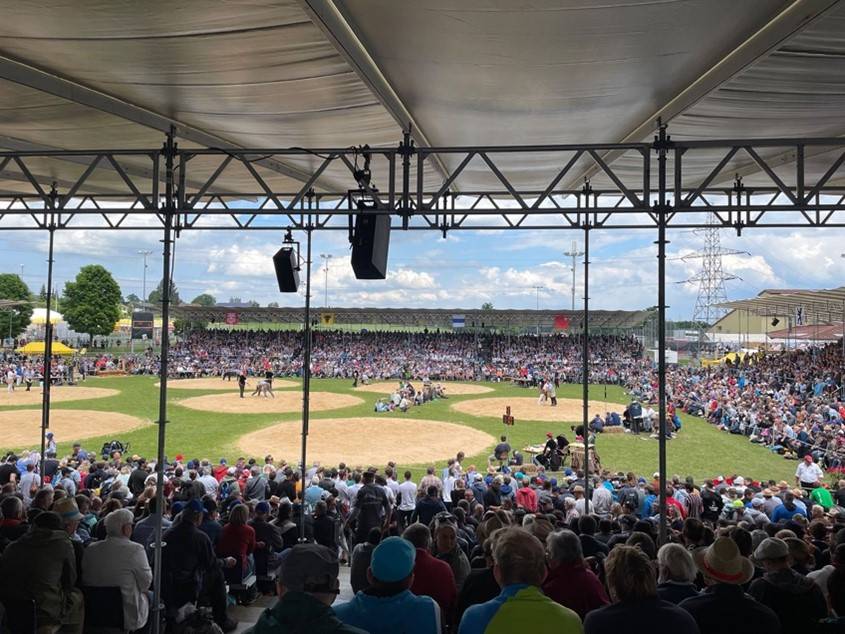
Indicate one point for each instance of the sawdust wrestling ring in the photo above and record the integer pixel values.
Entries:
(526, 408)
(216, 383)
(367, 441)
(452, 389)
(22, 428)
(283, 403)
(58, 394)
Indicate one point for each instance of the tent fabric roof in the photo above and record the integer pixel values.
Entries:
(37, 347)
(316, 73)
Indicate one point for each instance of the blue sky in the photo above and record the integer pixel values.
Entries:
(463, 271)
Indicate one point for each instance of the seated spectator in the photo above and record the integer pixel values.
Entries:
(432, 577)
(238, 539)
(119, 562)
(636, 607)
(675, 574)
(41, 566)
(12, 520)
(725, 571)
(388, 606)
(306, 584)
(446, 549)
(590, 546)
(428, 507)
(569, 581)
(519, 568)
(481, 585)
(190, 568)
(798, 602)
(361, 555)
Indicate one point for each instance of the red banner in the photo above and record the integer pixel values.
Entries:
(561, 322)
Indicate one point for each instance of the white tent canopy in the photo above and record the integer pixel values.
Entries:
(279, 73)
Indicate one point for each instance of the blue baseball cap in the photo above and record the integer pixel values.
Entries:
(393, 560)
(262, 507)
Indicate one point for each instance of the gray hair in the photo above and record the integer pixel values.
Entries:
(116, 520)
(675, 564)
(564, 547)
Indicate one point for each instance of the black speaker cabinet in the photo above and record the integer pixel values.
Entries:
(369, 246)
(286, 270)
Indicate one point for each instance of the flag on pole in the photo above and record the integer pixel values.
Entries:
(458, 321)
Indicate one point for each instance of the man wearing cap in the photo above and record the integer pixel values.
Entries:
(519, 568)
(307, 585)
(119, 562)
(798, 601)
(725, 572)
(190, 567)
(388, 606)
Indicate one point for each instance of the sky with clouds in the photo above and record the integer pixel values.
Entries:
(465, 270)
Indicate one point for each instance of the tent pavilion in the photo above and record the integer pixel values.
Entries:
(271, 103)
(37, 347)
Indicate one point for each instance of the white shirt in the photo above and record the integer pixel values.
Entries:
(117, 561)
(210, 483)
(407, 496)
(809, 472)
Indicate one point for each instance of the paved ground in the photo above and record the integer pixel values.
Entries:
(247, 616)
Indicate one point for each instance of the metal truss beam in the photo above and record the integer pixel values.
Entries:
(206, 203)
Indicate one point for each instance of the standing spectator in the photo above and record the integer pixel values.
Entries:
(446, 549)
(388, 605)
(798, 602)
(725, 572)
(372, 508)
(428, 507)
(520, 567)
(407, 494)
(569, 581)
(361, 556)
(118, 561)
(636, 608)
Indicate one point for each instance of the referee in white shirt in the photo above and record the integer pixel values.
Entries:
(808, 473)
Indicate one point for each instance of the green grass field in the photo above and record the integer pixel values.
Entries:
(700, 450)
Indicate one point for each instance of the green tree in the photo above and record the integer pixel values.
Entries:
(13, 321)
(155, 296)
(91, 303)
(273, 305)
(487, 306)
(204, 300)
(42, 294)
(133, 299)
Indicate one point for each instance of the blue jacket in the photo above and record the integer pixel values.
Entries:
(403, 613)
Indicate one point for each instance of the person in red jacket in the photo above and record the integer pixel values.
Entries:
(432, 577)
(526, 496)
(569, 581)
(237, 539)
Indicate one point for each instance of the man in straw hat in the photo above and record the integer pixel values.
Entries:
(798, 602)
(725, 571)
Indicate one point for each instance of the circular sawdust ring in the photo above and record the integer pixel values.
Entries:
(368, 440)
(58, 394)
(283, 403)
(216, 383)
(526, 408)
(452, 389)
(22, 428)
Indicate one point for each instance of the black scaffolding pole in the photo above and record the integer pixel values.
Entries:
(661, 145)
(585, 371)
(48, 339)
(306, 376)
(169, 212)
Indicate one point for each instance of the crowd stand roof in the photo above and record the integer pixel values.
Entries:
(823, 305)
(419, 317)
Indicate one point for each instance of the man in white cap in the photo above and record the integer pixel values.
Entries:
(798, 602)
(725, 571)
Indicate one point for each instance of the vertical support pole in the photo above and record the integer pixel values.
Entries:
(169, 211)
(406, 148)
(306, 371)
(48, 339)
(585, 370)
(661, 145)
